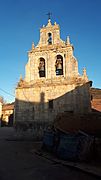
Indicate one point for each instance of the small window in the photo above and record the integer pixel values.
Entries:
(50, 104)
(49, 38)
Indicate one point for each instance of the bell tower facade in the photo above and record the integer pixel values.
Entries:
(52, 83)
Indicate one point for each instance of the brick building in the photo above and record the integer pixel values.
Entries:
(0, 108)
(96, 99)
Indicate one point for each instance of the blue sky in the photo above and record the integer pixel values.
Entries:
(20, 22)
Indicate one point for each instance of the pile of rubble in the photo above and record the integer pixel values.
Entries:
(75, 137)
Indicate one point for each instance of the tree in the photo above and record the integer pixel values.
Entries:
(2, 100)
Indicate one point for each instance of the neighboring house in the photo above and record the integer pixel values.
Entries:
(7, 114)
(52, 83)
(0, 109)
(96, 98)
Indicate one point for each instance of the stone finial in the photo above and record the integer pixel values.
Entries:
(49, 22)
(85, 74)
(55, 23)
(21, 82)
(33, 46)
(68, 40)
(21, 77)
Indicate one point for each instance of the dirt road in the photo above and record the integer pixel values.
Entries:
(17, 162)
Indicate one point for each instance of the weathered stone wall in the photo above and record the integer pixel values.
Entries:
(32, 104)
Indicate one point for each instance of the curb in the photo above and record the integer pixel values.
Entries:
(80, 166)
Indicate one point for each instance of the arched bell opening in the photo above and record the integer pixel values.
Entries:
(42, 67)
(49, 38)
(59, 65)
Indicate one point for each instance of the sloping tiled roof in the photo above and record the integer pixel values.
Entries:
(8, 106)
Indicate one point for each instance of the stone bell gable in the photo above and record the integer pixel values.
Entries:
(52, 83)
(51, 57)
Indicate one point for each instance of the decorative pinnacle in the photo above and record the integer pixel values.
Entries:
(32, 45)
(68, 40)
(20, 77)
(49, 22)
(84, 71)
(85, 74)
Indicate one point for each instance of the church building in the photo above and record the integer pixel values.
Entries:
(52, 83)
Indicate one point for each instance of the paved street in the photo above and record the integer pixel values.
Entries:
(17, 162)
